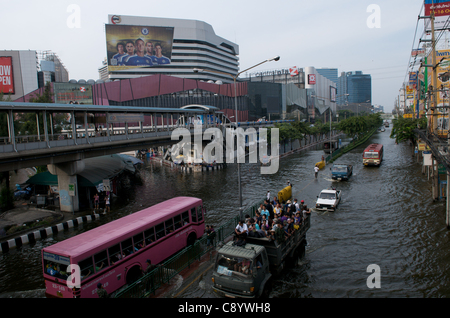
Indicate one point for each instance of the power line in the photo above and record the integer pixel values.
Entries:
(414, 41)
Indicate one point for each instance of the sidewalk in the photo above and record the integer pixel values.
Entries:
(23, 214)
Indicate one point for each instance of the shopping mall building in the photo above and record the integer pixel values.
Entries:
(150, 62)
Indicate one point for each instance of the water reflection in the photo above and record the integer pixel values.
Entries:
(385, 217)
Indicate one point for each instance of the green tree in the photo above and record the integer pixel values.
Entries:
(26, 123)
(4, 116)
(403, 128)
(360, 124)
(345, 113)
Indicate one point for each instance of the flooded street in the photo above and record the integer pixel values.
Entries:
(386, 217)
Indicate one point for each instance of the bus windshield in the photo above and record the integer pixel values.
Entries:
(371, 155)
(234, 266)
(56, 265)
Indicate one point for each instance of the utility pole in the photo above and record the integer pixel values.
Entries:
(434, 77)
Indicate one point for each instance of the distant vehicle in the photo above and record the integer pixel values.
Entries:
(265, 160)
(381, 129)
(373, 155)
(115, 253)
(386, 124)
(341, 171)
(333, 144)
(328, 200)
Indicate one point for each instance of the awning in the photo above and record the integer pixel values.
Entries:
(46, 178)
(96, 170)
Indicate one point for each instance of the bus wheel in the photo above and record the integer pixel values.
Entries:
(133, 274)
(191, 239)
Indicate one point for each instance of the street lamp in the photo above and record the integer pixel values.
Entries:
(199, 70)
(357, 109)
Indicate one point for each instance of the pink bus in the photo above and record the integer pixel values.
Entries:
(114, 254)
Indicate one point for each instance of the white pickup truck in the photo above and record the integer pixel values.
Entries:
(328, 200)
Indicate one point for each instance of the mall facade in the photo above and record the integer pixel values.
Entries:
(150, 63)
(185, 44)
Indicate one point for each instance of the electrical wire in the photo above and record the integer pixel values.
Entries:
(413, 45)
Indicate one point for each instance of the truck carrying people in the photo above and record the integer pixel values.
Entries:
(245, 266)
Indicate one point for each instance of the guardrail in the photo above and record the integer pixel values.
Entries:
(353, 144)
(163, 273)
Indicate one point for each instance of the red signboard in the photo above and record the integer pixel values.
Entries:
(6, 75)
(293, 71)
(311, 79)
(441, 8)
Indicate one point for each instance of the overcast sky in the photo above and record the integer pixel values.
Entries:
(322, 33)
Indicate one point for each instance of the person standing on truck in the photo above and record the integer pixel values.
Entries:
(269, 208)
(275, 201)
(265, 212)
(279, 233)
(306, 212)
(301, 206)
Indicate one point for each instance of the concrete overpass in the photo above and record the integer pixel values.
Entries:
(95, 131)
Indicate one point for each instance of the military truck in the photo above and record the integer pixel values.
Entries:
(247, 271)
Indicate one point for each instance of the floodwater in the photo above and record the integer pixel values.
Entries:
(386, 218)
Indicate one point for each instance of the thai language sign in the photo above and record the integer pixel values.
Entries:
(441, 7)
(125, 118)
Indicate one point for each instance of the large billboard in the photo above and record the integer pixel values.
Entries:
(441, 12)
(6, 75)
(73, 93)
(132, 46)
(443, 81)
(441, 7)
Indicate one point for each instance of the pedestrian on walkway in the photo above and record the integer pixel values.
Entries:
(96, 201)
(107, 204)
(316, 171)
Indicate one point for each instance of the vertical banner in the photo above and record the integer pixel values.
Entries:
(6, 75)
(443, 76)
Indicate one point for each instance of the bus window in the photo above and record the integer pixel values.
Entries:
(185, 216)
(199, 213)
(101, 261)
(127, 247)
(194, 215)
(86, 267)
(177, 221)
(114, 254)
(160, 231)
(138, 241)
(169, 226)
(149, 236)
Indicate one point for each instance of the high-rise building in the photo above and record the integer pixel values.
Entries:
(354, 88)
(18, 72)
(50, 68)
(330, 73)
(103, 71)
